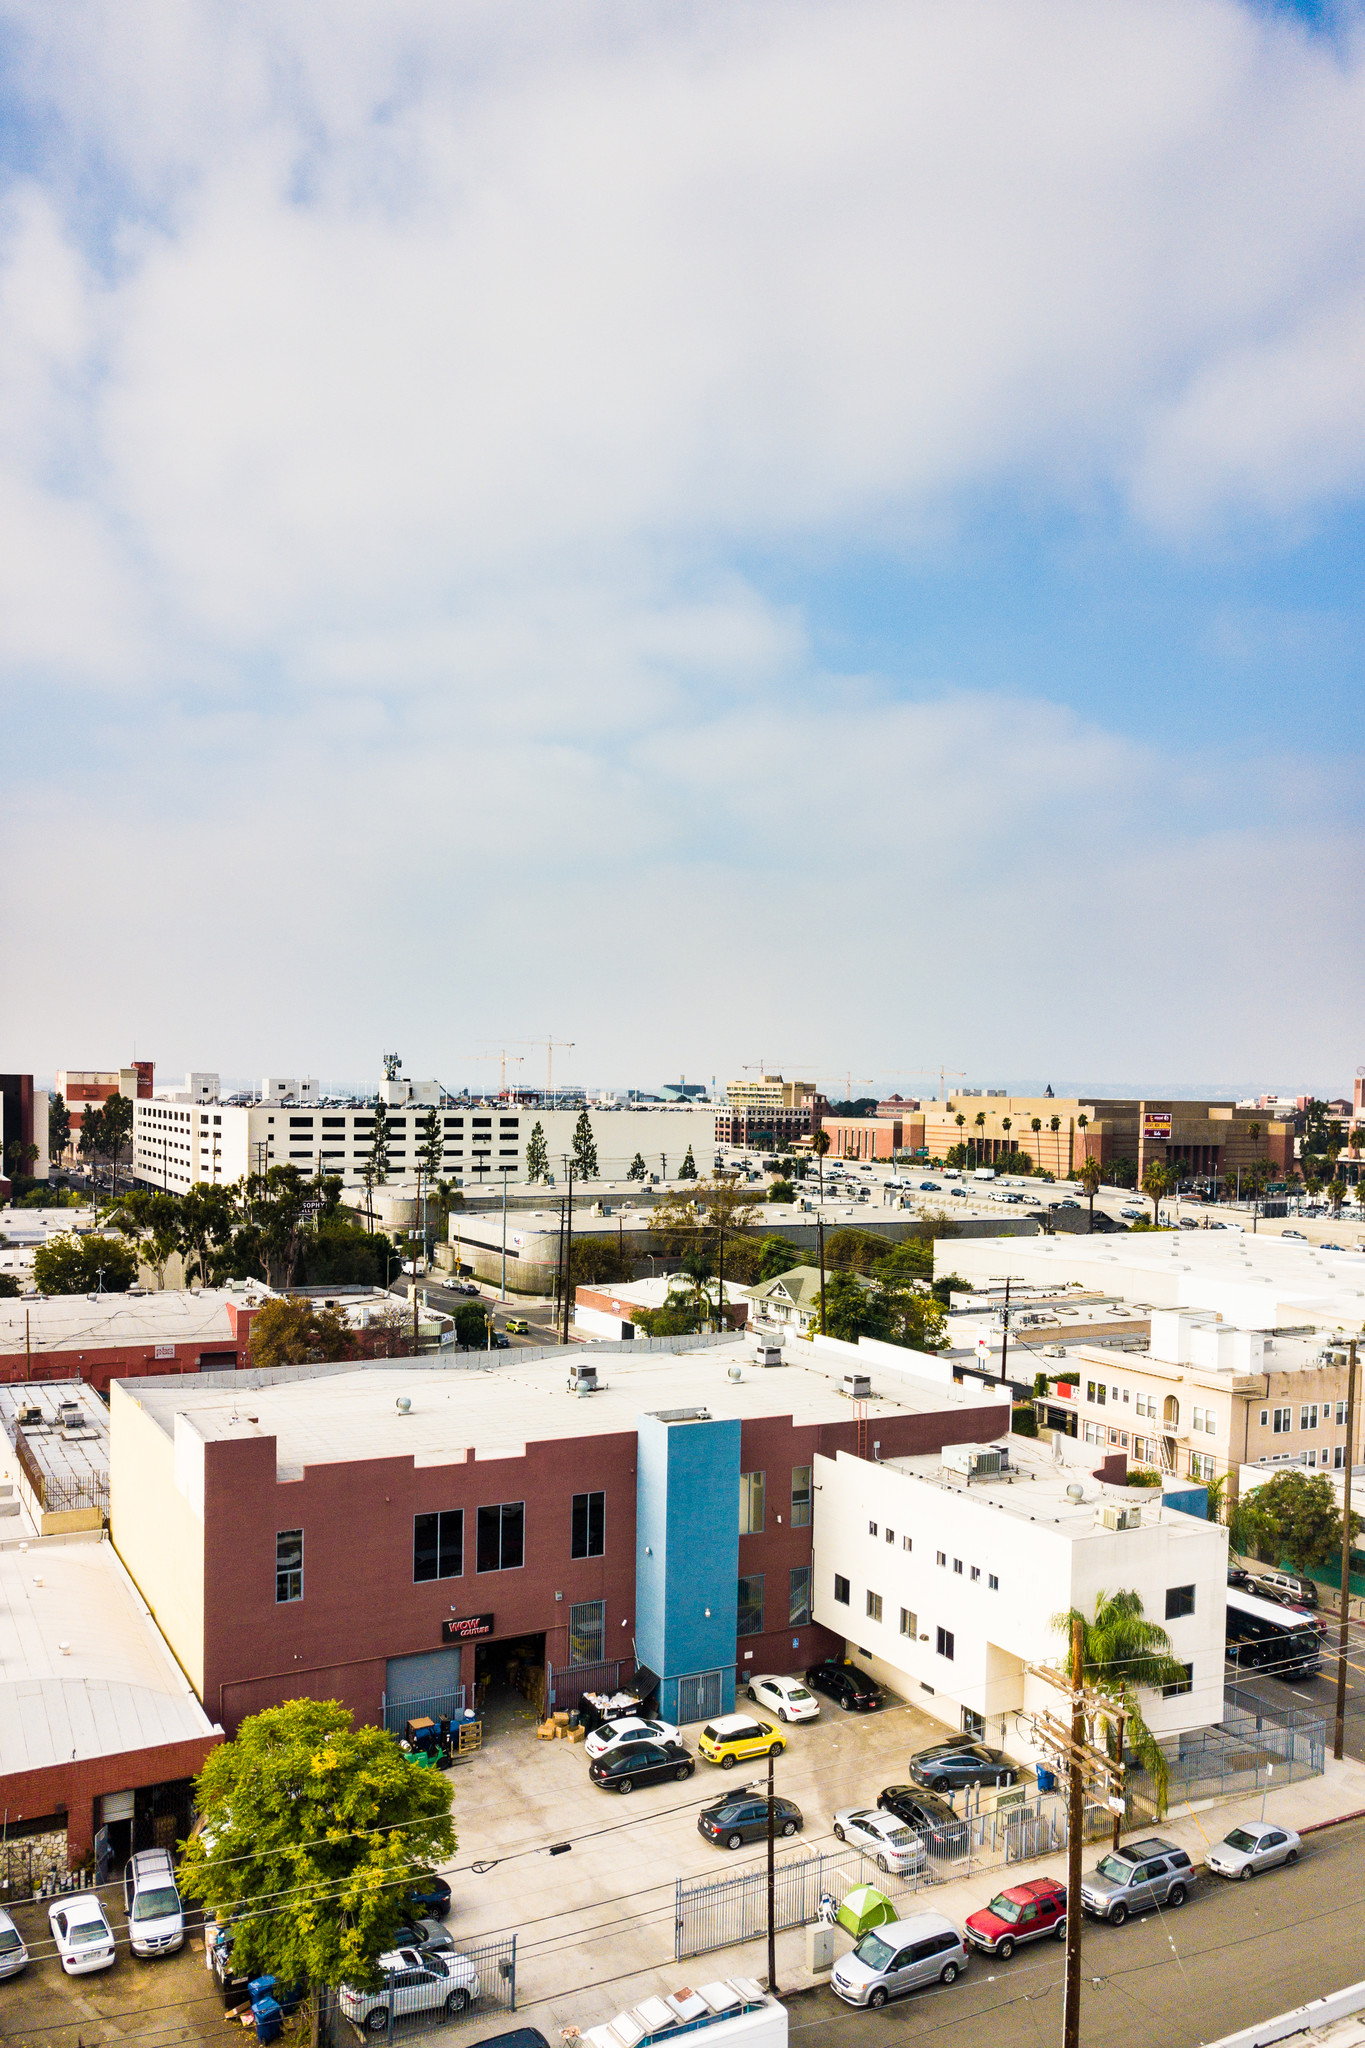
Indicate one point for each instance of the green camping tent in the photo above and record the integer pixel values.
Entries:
(864, 1907)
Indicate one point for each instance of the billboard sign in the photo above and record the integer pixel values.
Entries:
(466, 1628)
(1156, 1125)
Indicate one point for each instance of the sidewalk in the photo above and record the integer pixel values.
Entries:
(1337, 1795)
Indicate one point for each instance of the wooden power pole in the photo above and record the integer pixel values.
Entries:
(1339, 1730)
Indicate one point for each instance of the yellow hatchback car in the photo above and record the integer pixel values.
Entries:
(735, 1738)
(517, 1326)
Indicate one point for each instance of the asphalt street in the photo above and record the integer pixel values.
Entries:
(1318, 1695)
(1236, 1953)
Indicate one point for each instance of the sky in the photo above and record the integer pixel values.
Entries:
(755, 530)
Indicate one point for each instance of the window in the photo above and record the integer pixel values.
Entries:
(993, 1581)
(798, 1596)
(1339, 1458)
(940, 1557)
(1284, 1418)
(944, 1643)
(589, 1525)
(872, 1528)
(289, 1564)
(909, 1624)
(890, 1535)
(957, 1566)
(587, 1631)
(1341, 1413)
(874, 1606)
(1185, 1684)
(841, 1590)
(907, 1542)
(976, 1571)
(749, 1621)
(801, 1496)
(1179, 1600)
(438, 1545)
(1125, 1397)
(502, 1533)
(1094, 1432)
(1265, 1418)
(1308, 1415)
(1201, 1464)
(751, 1490)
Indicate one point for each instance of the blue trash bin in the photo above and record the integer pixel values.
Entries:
(1047, 1781)
(269, 2019)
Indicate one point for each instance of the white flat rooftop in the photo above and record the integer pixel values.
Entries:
(1037, 1492)
(70, 1322)
(330, 1416)
(116, 1686)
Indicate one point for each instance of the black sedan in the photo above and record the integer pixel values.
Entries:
(739, 1817)
(925, 1812)
(847, 1687)
(641, 1763)
(949, 1764)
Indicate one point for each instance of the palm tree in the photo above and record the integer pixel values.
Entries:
(1054, 1124)
(1089, 1178)
(959, 1120)
(1007, 1125)
(1036, 1125)
(1156, 1185)
(1122, 1654)
(980, 1121)
(820, 1146)
(1336, 1195)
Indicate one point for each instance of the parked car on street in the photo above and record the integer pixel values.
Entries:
(156, 1918)
(415, 1980)
(641, 1763)
(610, 1735)
(517, 1326)
(1136, 1878)
(925, 1812)
(1025, 1912)
(741, 1816)
(13, 1954)
(946, 1765)
(787, 1697)
(736, 1738)
(84, 1938)
(422, 1934)
(844, 1685)
(898, 1957)
(1254, 1846)
(881, 1835)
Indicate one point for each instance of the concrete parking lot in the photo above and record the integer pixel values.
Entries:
(162, 2004)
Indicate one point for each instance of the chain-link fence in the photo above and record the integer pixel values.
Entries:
(477, 1983)
(1246, 1752)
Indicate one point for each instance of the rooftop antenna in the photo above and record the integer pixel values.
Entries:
(393, 1066)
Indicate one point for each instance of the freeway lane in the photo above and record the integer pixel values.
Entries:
(1235, 1954)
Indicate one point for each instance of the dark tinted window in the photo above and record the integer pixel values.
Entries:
(943, 1943)
(589, 1525)
(438, 1545)
(501, 1537)
(1179, 1600)
(920, 1951)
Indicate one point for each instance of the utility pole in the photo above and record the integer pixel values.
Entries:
(772, 1883)
(1005, 1346)
(1339, 1731)
(504, 1232)
(568, 1246)
(820, 1234)
(1075, 1821)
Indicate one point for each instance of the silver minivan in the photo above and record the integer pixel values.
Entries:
(156, 1918)
(900, 1957)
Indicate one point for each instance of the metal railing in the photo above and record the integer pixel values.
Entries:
(1246, 1752)
(566, 1684)
(54, 1495)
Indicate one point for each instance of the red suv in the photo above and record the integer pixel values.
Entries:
(1026, 1912)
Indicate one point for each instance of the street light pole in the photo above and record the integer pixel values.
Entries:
(1339, 1730)
(504, 1233)
(772, 1882)
(1075, 1821)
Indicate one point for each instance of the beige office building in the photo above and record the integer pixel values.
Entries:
(1197, 1138)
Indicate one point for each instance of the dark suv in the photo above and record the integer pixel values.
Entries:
(742, 1816)
(842, 1684)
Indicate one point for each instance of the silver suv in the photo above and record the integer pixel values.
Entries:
(1136, 1878)
(156, 1918)
(414, 1980)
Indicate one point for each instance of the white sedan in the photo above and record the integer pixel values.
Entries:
(1255, 1845)
(84, 1938)
(882, 1835)
(788, 1697)
(630, 1728)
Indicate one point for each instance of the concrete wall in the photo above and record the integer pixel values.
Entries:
(79, 1784)
(156, 1524)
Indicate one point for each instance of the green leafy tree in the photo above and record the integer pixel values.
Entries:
(853, 1309)
(118, 1129)
(58, 1128)
(638, 1170)
(374, 1173)
(296, 1331)
(1336, 1195)
(154, 1219)
(90, 1143)
(781, 1191)
(314, 1831)
(1122, 1655)
(1294, 1515)
(538, 1157)
(207, 1215)
(84, 1265)
(471, 1326)
(10, 1289)
(598, 1260)
(777, 1254)
(688, 1169)
(682, 1314)
(584, 1148)
(19, 1157)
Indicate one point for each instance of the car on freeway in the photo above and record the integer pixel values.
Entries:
(629, 1728)
(735, 1738)
(881, 1835)
(156, 1918)
(788, 1698)
(844, 1685)
(1132, 1211)
(641, 1763)
(1254, 1846)
(1136, 1878)
(428, 1896)
(946, 1765)
(414, 1981)
(961, 1193)
(1333, 1247)
(929, 1187)
(925, 1812)
(1297, 1236)
(1024, 1912)
(741, 1816)
(898, 1957)
(84, 1938)
(13, 1954)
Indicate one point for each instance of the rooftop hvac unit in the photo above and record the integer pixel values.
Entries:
(857, 1386)
(767, 1353)
(1116, 1517)
(582, 1379)
(976, 1461)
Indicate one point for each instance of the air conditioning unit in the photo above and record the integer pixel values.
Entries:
(1116, 1517)
(766, 1352)
(976, 1461)
(583, 1379)
(857, 1386)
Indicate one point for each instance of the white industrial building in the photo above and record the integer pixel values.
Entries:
(944, 1573)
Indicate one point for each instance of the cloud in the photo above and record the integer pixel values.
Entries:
(405, 417)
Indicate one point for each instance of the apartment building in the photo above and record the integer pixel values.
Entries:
(768, 1113)
(943, 1574)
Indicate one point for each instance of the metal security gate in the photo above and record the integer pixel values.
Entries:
(437, 1706)
(565, 1685)
(699, 1697)
(494, 1988)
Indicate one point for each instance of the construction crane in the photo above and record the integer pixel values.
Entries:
(551, 1045)
(501, 1056)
